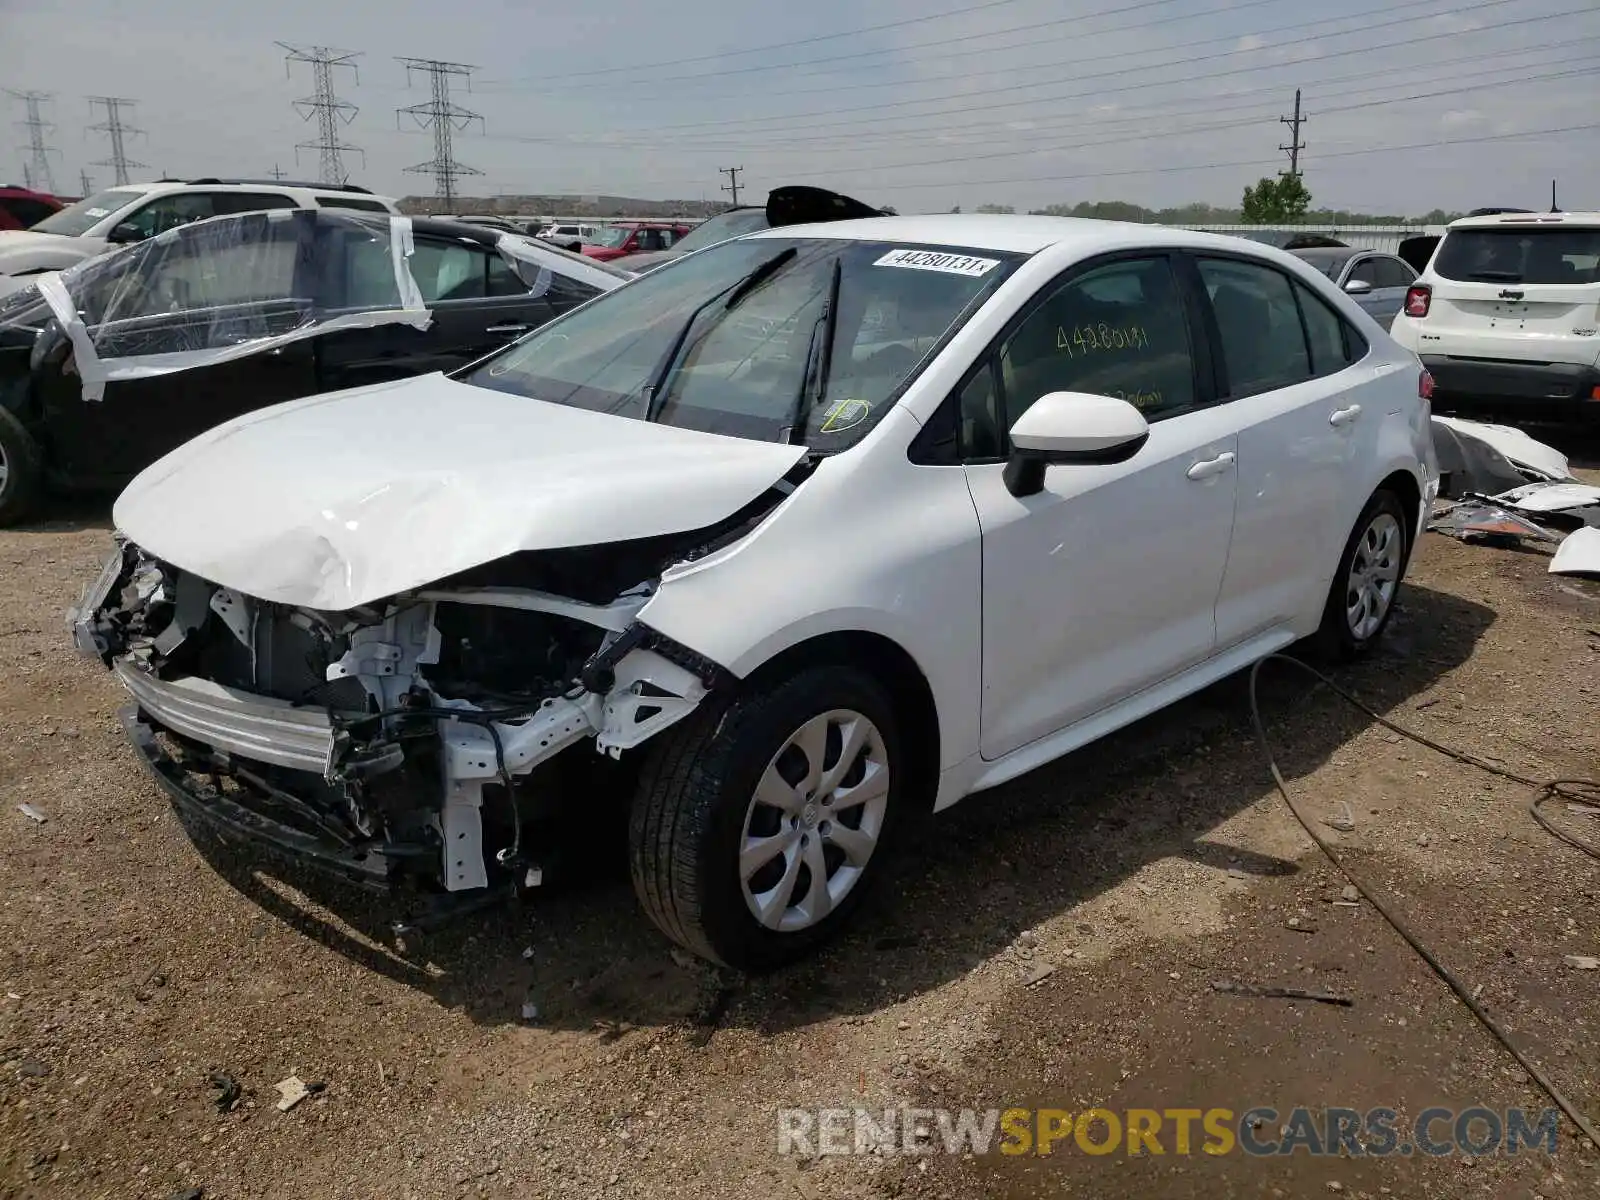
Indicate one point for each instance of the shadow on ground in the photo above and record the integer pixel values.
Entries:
(1031, 849)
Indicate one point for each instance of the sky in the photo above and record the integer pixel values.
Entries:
(1412, 104)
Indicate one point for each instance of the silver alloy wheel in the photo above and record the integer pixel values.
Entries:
(1374, 575)
(814, 821)
(5, 470)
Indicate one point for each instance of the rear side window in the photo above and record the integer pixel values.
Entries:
(1334, 345)
(1258, 321)
(240, 202)
(1516, 254)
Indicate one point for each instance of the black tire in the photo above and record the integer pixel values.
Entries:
(688, 817)
(24, 470)
(1336, 640)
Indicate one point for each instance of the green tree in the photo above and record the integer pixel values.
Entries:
(1279, 201)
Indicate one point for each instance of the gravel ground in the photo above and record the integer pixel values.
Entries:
(1122, 881)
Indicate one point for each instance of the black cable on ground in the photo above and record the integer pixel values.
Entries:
(1580, 790)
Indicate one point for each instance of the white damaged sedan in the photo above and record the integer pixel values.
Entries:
(803, 533)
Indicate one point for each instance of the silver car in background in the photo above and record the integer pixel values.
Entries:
(1375, 281)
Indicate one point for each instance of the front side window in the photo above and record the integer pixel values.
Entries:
(77, 219)
(1116, 330)
(799, 339)
(168, 212)
(1263, 345)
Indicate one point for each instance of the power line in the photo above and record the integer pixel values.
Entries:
(965, 40)
(36, 170)
(1295, 144)
(1477, 83)
(113, 128)
(732, 185)
(1140, 117)
(805, 41)
(444, 117)
(1257, 162)
(1034, 96)
(328, 109)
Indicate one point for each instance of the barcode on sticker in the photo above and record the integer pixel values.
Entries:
(934, 260)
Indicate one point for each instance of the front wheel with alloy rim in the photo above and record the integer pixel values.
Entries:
(758, 823)
(1362, 597)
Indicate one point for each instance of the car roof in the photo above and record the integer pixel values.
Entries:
(1008, 234)
(1517, 219)
(485, 235)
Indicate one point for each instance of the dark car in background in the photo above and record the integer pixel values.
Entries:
(1374, 280)
(107, 366)
(793, 205)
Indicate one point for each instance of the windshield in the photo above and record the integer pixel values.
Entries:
(1330, 264)
(77, 219)
(722, 227)
(1509, 254)
(612, 236)
(762, 368)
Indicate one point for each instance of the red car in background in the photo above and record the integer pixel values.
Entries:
(23, 209)
(635, 237)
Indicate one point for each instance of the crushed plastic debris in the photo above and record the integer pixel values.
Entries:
(32, 813)
(1578, 554)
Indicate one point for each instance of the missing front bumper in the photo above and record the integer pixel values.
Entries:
(203, 809)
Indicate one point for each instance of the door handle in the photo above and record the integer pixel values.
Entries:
(1206, 468)
(1343, 416)
(507, 329)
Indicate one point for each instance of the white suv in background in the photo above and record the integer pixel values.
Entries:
(134, 211)
(1506, 317)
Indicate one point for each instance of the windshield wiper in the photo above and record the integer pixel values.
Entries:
(814, 387)
(655, 391)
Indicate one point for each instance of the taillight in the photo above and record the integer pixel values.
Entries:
(1425, 385)
(1418, 298)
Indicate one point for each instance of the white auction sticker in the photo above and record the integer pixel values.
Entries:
(933, 260)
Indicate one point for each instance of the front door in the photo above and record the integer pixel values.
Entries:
(1106, 582)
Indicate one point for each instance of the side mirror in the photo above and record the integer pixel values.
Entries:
(1357, 287)
(125, 234)
(1063, 428)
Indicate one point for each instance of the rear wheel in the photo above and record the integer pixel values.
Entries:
(20, 470)
(757, 825)
(1361, 600)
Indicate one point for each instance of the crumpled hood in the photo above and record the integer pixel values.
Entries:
(23, 250)
(339, 500)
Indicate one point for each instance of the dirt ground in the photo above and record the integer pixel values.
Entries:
(1123, 881)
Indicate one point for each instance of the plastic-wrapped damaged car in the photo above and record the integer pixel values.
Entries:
(112, 363)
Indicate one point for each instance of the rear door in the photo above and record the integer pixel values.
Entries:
(477, 300)
(1525, 290)
(1307, 410)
